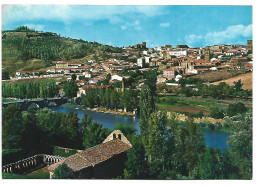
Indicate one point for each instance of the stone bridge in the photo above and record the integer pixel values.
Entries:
(30, 164)
(37, 103)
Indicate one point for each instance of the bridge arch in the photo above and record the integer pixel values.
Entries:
(33, 106)
(52, 103)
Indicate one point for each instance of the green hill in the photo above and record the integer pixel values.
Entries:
(26, 49)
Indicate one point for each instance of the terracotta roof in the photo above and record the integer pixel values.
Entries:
(93, 156)
(174, 68)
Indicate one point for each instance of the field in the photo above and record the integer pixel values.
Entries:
(191, 106)
(188, 106)
(219, 75)
(247, 80)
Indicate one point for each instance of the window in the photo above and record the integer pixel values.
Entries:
(119, 136)
(114, 136)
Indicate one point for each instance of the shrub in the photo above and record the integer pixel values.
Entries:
(216, 113)
(61, 152)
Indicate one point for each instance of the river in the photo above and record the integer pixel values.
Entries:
(213, 137)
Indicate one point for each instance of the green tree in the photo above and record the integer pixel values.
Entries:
(238, 85)
(94, 134)
(71, 130)
(12, 127)
(73, 77)
(33, 137)
(240, 143)
(190, 145)
(154, 142)
(211, 165)
(63, 172)
(5, 75)
(237, 108)
(136, 164)
(147, 107)
(125, 129)
(216, 113)
(70, 88)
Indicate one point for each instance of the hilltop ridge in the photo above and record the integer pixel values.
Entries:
(27, 49)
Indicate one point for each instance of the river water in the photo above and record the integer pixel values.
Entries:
(213, 137)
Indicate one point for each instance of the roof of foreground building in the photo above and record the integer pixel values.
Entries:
(94, 155)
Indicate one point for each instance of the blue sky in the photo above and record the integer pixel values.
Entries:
(196, 26)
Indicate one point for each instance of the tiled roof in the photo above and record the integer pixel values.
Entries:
(94, 155)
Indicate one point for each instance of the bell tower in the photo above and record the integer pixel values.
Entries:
(207, 54)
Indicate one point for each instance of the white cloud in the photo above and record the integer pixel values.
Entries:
(135, 25)
(68, 13)
(37, 27)
(231, 35)
(164, 24)
(123, 27)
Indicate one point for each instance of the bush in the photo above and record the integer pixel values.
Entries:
(234, 109)
(216, 113)
(203, 125)
(63, 172)
(218, 126)
(61, 152)
(198, 115)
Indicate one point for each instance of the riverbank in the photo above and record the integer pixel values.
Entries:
(97, 109)
(183, 117)
(104, 110)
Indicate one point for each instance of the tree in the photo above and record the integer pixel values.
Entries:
(216, 113)
(210, 165)
(12, 127)
(238, 85)
(63, 172)
(150, 81)
(5, 75)
(73, 77)
(147, 107)
(136, 165)
(33, 137)
(190, 144)
(70, 88)
(125, 129)
(154, 142)
(94, 134)
(72, 130)
(237, 108)
(240, 143)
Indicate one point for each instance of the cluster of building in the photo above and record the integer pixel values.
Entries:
(184, 61)
(174, 62)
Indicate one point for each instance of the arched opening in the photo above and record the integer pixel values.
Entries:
(52, 104)
(114, 136)
(119, 136)
(33, 106)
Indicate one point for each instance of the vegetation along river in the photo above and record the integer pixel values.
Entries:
(213, 137)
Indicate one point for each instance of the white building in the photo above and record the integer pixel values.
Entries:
(140, 62)
(145, 52)
(147, 59)
(178, 53)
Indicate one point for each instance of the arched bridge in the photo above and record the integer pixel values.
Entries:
(29, 164)
(37, 103)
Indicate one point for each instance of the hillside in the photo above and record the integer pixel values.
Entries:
(26, 49)
(246, 79)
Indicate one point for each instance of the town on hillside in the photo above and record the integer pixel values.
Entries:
(73, 109)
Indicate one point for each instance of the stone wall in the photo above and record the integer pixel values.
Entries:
(30, 164)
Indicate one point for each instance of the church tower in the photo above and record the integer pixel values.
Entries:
(207, 54)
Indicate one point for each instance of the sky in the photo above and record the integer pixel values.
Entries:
(196, 26)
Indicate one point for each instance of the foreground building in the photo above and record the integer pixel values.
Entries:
(103, 161)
